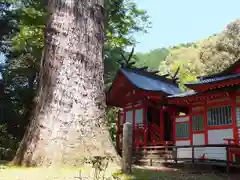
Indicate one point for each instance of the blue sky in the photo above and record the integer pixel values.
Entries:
(180, 21)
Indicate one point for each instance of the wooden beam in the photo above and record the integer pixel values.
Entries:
(216, 85)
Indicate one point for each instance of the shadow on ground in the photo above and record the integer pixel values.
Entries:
(180, 173)
(3, 163)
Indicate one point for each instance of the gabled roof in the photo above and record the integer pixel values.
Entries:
(149, 82)
(228, 77)
(139, 81)
(214, 79)
(196, 97)
(185, 94)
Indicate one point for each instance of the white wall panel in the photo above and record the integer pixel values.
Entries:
(198, 139)
(182, 119)
(138, 116)
(216, 137)
(184, 152)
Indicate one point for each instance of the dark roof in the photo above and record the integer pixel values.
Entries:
(185, 94)
(214, 79)
(150, 82)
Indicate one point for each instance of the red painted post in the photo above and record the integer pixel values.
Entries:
(118, 130)
(134, 128)
(145, 125)
(162, 124)
(234, 119)
(190, 125)
(205, 124)
(174, 128)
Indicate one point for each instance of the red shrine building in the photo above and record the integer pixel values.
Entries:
(214, 114)
(161, 114)
(142, 97)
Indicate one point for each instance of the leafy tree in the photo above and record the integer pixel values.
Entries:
(222, 50)
(151, 59)
(187, 58)
(69, 115)
(25, 46)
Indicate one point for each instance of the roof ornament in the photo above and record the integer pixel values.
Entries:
(174, 77)
(126, 62)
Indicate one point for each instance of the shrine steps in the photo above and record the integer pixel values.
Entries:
(152, 155)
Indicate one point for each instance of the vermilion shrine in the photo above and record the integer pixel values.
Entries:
(155, 106)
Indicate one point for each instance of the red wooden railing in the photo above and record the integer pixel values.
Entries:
(144, 135)
(139, 134)
(150, 135)
(233, 150)
(155, 133)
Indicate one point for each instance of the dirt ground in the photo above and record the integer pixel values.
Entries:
(139, 173)
(183, 173)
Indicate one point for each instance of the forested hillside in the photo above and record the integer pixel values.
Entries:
(205, 56)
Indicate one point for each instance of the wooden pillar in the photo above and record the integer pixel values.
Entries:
(174, 128)
(127, 148)
(118, 132)
(190, 125)
(145, 125)
(205, 124)
(133, 129)
(162, 124)
(234, 119)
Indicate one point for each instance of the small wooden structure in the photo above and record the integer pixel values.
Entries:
(213, 118)
(142, 97)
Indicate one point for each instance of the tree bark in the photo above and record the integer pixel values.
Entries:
(68, 122)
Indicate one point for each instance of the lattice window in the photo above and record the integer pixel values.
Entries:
(218, 116)
(197, 122)
(238, 116)
(182, 130)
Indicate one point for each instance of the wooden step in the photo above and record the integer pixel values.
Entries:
(152, 162)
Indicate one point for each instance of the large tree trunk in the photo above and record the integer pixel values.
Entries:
(68, 122)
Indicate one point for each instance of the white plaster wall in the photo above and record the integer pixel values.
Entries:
(184, 152)
(129, 116)
(182, 119)
(138, 116)
(216, 137)
(198, 139)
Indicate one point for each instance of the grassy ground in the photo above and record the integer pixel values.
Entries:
(17, 173)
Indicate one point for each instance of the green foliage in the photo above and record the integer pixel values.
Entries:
(25, 41)
(151, 59)
(187, 58)
(111, 120)
(122, 19)
(8, 143)
(222, 50)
